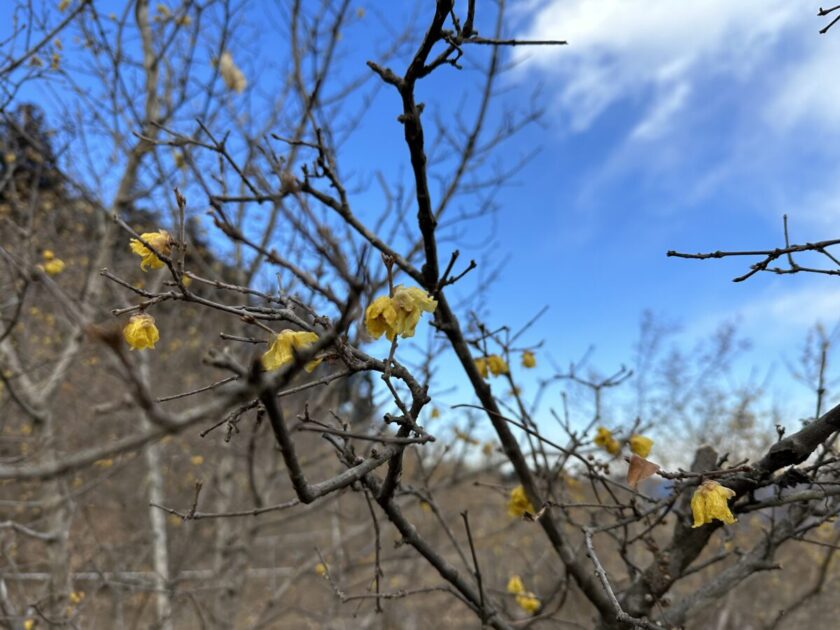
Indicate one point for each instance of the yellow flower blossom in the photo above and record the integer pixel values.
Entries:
(435, 412)
(640, 445)
(710, 502)
(497, 365)
(494, 364)
(281, 350)
(526, 600)
(29, 624)
(605, 440)
(160, 241)
(197, 460)
(381, 318)
(488, 449)
(518, 503)
(140, 332)
(398, 315)
(231, 74)
(54, 267)
(321, 569)
(63, 4)
(76, 597)
(528, 359)
(48, 254)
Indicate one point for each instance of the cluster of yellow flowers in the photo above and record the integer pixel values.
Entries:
(493, 364)
(52, 265)
(282, 349)
(140, 332)
(709, 502)
(526, 600)
(604, 439)
(639, 444)
(518, 503)
(398, 314)
(160, 241)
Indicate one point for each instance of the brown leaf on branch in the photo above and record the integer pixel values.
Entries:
(639, 469)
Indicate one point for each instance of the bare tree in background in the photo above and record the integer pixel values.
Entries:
(267, 463)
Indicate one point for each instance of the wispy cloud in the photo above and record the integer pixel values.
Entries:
(654, 50)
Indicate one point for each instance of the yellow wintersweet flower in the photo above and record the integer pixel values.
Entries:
(710, 502)
(76, 597)
(231, 74)
(493, 364)
(526, 600)
(48, 254)
(497, 365)
(381, 318)
(411, 303)
(29, 624)
(281, 350)
(140, 332)
(197, 460)
(528, 359)
(54, 267)
(640, 445)
(160, 241)
(321, 569)
(518, 503)
(488, 449)
(605, 440)
(398, 315)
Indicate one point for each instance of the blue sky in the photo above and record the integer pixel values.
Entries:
(692, 126)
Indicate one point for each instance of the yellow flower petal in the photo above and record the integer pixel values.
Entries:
(481, 366)
(281, 350)
(605, 440)
(54, 267)
(640, 445)
(160, 241)
(497, 365)
(515, 585)
(528, 359)
(710, 502)
(381, 318)
(140, 332)
(518, 503)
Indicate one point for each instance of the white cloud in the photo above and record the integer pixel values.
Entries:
(629, 48)
(809, 90)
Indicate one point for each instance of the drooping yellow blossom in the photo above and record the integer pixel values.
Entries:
(435, 412)
(640, 445)
(140, 332)
(197, 460)
(494, 364)
(63, 4)
(231, 74)
(281, 350)
(76, 597)
(518, 503)
(497, 365)
(710, 502)
(28, 624)
(528, 359)
(52, 265)
(398, 314)
(160, 241)
(321, 569)
(605, 440)
(381, 318)
(526, 600)
(488, 449)
(411, 303)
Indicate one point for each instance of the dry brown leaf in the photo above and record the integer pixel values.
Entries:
(639, 470)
